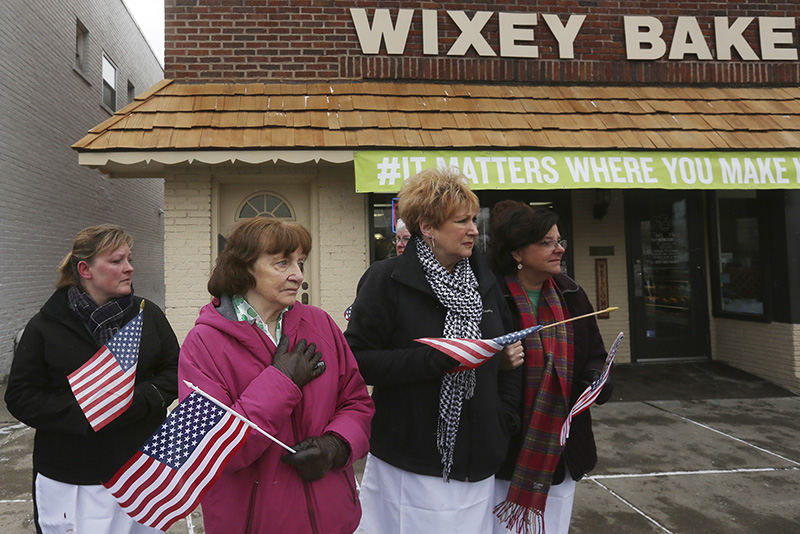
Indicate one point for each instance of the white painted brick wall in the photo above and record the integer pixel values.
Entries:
(187, 248)
(767, 350)
(609, 231)
(45, 107)
(343, 249)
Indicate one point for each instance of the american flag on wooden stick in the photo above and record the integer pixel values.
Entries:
(103, 386)
(472, 353)
(588, 397)
(167, 477)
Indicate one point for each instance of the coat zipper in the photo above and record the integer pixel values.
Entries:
(252, 507)
(306, 489)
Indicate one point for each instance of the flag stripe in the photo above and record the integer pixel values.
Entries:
(470, 352)
(109, 416)
(114, 393)
(82, 382)
(106, 377)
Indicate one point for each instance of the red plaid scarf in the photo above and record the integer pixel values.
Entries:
(548, 382)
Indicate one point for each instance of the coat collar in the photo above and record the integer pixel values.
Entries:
(408, 271)
(57, 308)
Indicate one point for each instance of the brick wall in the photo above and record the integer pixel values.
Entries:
(767, 350)
(187, 248)
(45, 196)
(342, 242)
(305, 39)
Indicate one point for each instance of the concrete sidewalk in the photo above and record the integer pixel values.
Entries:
(682, 448)
(693, 448)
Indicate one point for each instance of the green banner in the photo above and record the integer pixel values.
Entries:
(382, 171)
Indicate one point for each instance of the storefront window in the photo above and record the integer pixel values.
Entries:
(740, 270)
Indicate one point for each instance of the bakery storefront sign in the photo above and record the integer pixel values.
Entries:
(519, 34)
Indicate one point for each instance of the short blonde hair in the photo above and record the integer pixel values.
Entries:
(248, 241)
(434, 195)
(88, 243)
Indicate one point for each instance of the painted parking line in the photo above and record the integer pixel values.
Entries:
(698, 472)
(630, 505)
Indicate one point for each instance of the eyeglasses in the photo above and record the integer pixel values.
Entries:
(553, 243)
(397, 240)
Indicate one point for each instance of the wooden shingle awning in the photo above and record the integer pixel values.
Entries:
(178, 123)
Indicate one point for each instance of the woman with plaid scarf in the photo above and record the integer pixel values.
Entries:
(535, 488)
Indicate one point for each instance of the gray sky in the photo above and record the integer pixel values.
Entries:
(149, 15)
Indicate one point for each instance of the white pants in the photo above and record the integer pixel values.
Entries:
(394, 501)
(81, 510)
(557, 510)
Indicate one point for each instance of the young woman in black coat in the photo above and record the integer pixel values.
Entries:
(93, 300)
(536, 484)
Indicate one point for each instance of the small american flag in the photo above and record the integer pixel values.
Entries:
(167, 477)
(588, 397)
(103, 386)
(472, 353)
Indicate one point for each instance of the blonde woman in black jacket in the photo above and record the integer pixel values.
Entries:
(70, 460)
(437, 437)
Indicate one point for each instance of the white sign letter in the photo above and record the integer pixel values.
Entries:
(688, 39)
(565, 35)
(731, 36)
(470, 33)
(512, 29)
(635, 38)
(767, 27)
(370, 37)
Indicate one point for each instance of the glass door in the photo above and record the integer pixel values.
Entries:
(669, 316)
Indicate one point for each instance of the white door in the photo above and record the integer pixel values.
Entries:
(284, 201)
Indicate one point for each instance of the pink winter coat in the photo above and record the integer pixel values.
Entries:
(257, 493)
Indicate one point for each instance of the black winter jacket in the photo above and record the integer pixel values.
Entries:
(580, 452)
(55, 343)
(395, 305)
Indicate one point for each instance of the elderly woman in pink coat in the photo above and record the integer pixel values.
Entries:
(286, 367)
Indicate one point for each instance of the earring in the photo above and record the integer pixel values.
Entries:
(519, 266)
(433, 241)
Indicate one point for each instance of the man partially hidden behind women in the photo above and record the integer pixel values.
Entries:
(536, 485)
(439, 433)
(93, 301)
(287, 368)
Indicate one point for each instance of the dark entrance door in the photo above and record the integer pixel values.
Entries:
(669, 316)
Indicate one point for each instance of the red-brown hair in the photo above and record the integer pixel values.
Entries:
(249, 240)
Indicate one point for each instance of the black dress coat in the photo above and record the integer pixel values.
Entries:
(55, 343)
(580, 451)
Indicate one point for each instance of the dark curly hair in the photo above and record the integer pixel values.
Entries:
(513, 225)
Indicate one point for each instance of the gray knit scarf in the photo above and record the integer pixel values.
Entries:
(458, 293)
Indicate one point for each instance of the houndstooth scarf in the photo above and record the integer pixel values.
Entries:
(458, 293)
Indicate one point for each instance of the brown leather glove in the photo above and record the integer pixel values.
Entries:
(316, 456)
(303, 364)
